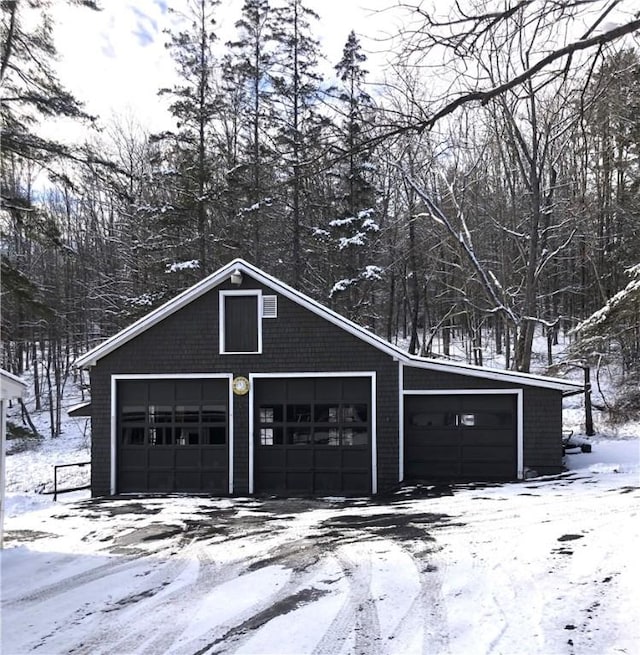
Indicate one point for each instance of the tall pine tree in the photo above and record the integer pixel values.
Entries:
(250, 65)
(194, 105)
(31, 94)
(354, 227)
(296, 84)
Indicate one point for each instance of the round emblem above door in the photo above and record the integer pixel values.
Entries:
(240, 386)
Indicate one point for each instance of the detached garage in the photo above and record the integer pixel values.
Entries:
(243, 385)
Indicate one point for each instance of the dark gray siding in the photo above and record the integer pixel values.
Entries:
(542, 408)
(297, 341)
(543, 430)
(100, 432)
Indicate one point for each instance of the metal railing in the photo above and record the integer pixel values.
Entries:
(57, 491)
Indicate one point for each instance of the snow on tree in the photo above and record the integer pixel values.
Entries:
(182, 266)
(296, 83)
(618, 321)
(247, 72)
(194, 106)
(352, 234)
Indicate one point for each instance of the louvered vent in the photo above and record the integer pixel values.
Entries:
(269, 306)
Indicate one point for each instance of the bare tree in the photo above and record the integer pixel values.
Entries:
(473, 29)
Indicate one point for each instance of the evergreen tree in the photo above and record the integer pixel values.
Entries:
(31, 93)
(194, 105)
(31, 88)
(354, 228)
(247, 75)
(296, 85)
(613, 122)
(616, 322)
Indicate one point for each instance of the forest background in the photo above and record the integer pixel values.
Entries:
(483, 187)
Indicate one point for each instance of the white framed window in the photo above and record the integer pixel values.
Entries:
(240, 314)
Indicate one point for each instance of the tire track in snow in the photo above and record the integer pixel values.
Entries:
(232, 634)
(168, 626)
(367, 626)
(427, 613)
(160, 603)
(167, 632)
(358, 615)
(66, 621)
(507, 593)
(156, 597)
(167, 608)
(150, 597)
(71, 583)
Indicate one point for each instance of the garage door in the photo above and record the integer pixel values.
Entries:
(312, 436)
(173, 435)
(460, 437)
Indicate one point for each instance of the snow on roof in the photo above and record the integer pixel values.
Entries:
(200, 288)
(81, 409)
(12, 386)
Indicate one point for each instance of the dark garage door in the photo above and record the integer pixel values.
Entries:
(173, 435)
(312, 436)
(460, 437)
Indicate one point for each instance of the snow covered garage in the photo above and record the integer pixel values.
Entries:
(243, 385)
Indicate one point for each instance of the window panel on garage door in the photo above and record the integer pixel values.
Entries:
(313, 435)
(173, 435)
(465, 436)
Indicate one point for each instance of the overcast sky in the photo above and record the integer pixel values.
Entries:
(115, 60)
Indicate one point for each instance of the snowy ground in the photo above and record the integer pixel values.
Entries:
(543, 566)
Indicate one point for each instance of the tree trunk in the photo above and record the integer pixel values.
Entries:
(588, 413)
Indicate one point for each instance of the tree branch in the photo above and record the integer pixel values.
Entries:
(440, 217)
(484, 97)
(6, 51)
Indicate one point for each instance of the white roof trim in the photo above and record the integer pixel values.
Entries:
(152, 318)
(200, 288)
(79, 407)
(90, 358)
(11, 386)
(515, 377)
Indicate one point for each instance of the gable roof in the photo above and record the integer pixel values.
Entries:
(207, 284)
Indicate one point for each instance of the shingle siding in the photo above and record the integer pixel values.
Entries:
(542, 430)
(542, 413)
(298, 341)
(100, 432)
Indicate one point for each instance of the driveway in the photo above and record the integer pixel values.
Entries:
(520, 568)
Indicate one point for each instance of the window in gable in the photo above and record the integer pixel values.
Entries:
(240, 324)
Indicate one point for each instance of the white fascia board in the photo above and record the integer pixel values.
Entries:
(78, 408)
(399, 355)
(152, 318)
(513, 377)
